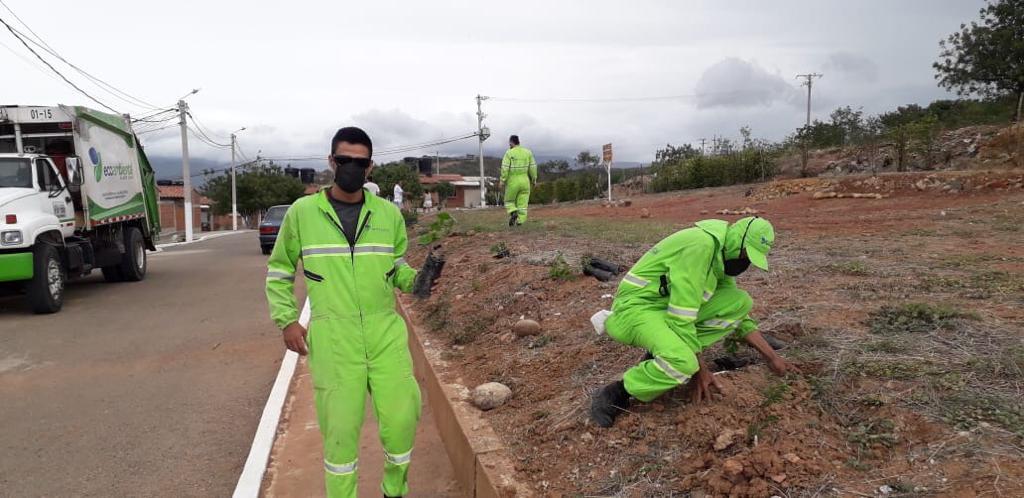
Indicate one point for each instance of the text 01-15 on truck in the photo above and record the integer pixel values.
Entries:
(76, 194)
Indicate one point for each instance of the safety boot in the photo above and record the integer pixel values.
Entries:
(513, 218)
(608, 403)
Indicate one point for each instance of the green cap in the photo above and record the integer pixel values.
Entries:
(758, 241)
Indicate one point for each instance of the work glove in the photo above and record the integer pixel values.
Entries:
(429, 273)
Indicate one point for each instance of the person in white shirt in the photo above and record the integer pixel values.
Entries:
(397, 199)
(372, 187)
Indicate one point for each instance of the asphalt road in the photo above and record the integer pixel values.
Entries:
(151, 388)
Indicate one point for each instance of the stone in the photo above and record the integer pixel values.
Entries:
(490, 395)
(725, 439)
(791, 458)
(645, 213)
(732, 467)
(779, 478)
(527, 327)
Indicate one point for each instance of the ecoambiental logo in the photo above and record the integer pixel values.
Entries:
(94, 156)
(121, 171)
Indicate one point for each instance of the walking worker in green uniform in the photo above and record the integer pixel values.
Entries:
(351, 245)
(518, 173)
(679, 299)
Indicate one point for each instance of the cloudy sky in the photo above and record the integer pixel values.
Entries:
(565, 75)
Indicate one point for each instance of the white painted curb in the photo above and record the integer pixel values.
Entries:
(259, 455)
(217, 235)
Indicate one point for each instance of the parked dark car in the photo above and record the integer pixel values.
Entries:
(270, 226)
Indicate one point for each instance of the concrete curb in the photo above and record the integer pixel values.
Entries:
(211, 236)
(483, 466)
(255, 468)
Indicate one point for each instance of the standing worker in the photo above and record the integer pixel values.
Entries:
(679, 299)
(518, 173)
(351, 245)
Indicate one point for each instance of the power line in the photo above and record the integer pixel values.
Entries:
(66, 80)
(172, 125)
(103, 85)
(202, 127)
(399, 149)
(202, 138)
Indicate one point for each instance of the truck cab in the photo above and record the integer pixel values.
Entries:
(62, 216)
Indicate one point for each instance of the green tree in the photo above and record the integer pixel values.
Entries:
(387, 175)
(445, 190)
(587, 160)
(552, 169)
(986, 58)
(259, 186)
(847, 122)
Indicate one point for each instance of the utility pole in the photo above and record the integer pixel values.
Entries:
(186, 174)
(809, 82)
(702, 146)
(482, 134)
(437, 162)
(234, 196)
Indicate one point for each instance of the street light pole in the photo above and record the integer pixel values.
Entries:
(234, 195)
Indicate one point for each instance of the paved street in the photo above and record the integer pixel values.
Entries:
(152, 388)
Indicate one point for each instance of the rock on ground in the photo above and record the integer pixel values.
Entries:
(527, 327)
(491, 395)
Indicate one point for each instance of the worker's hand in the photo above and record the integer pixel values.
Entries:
(704, 383)
(295, 338)
(782, 367)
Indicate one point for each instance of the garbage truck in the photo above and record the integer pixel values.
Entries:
(77, 194)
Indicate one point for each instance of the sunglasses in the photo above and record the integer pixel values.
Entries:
(362, 162)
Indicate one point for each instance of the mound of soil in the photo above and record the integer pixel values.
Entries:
(835, 430)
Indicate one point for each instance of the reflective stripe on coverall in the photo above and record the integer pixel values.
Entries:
(518, 172)
(357, 341)
(675, 302)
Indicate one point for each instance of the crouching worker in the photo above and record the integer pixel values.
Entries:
(679, 299)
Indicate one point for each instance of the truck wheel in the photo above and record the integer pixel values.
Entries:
(133, 261)
(267, 249)
(46, 289)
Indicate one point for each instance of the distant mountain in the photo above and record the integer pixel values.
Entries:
(169, 167)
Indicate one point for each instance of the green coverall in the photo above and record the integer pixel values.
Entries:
(357, 341)
(676, 301)
(518, 172)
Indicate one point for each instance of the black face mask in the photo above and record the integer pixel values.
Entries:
(349, 177)
(734, 267)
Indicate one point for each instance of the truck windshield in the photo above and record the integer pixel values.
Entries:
(15, 172)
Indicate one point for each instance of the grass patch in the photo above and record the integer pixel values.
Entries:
(965, 410)
(921, 232)
(500, 250)
(1007, 364)
(1004, 223)
(873, 433)
(775, 393)
(891, 346)
(757, 427)
(914, 318)
(892, 368)
(560, 269)
(548, 222)
(439, 314)
(857, 268)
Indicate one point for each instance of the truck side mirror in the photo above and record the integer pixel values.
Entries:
(74, 172)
